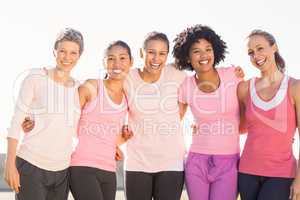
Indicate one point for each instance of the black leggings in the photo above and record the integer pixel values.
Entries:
(87, 183)
(166, 185)
(253, 187)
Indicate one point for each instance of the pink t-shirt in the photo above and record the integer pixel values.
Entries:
(158, 143)
(216, 114)
(271, 128)
(100, 122)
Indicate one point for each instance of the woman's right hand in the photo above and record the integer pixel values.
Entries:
(11, 176)
(27, 125)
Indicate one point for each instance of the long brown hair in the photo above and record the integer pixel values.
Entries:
(280, 63)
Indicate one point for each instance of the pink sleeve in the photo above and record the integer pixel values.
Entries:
(230, 73)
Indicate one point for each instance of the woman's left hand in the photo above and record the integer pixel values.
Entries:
(119, 154)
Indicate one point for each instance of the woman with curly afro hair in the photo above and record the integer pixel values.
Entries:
(211, 93)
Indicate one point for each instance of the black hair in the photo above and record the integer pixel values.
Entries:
(188, 37)
(117, 43)
(121, 44)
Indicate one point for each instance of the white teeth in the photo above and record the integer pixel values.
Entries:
(155, 66)
(204, 62)
(117, 71)
(260, 62)
(66, 63)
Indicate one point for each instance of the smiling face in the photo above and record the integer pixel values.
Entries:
(155, 56)
(67, 54)
(201, 56)
(117, 62)
(261, 53)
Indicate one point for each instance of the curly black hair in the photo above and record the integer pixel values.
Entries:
(188, 37)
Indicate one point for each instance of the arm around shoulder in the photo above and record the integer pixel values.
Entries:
(242, 91)
(87, 91)
(242, 95)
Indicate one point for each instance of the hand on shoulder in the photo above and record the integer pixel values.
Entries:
(242, 90)
(87, 91)
(295, 89)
